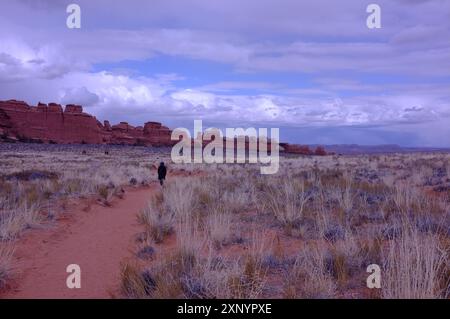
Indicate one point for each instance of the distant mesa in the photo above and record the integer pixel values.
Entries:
(303, 149)
(20, 122)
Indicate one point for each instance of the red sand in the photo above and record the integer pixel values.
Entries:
(98, 240)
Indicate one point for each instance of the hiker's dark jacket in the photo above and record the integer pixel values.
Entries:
(162, 172)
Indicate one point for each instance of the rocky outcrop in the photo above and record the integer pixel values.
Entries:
(53, 124)
(5, 124)
(302, 149)
(70, 125)
(296, 149)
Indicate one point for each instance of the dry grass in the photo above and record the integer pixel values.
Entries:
(309, 231)
(35, 178)
(311, 234)
(6, 255)
(309, 276)
(286, 200)
(14, 221)
(219, 227)
(158, 224)
(179, 197)
(415, 267)
(134, 284)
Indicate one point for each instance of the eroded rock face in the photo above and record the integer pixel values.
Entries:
(5, 123)
(53, 124)
(70, 125)
(302, 150)
(74, 109)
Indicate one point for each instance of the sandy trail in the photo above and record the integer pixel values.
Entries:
(97, 240)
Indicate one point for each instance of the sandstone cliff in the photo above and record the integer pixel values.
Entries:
(53, 124)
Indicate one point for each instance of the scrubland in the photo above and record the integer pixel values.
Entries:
(35, 179)
(309, 231)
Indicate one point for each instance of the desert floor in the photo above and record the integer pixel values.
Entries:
(95, 237)
(221, 231)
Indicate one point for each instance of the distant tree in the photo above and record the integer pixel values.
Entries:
(320, 151)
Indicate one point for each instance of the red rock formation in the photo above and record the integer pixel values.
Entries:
(51, 124)
(5, 124)
(320, 151)
(296, 149)
(157, 133)
(71, 108)
(107, 126)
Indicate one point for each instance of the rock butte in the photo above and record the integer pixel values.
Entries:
(51, 124)
(20, 122)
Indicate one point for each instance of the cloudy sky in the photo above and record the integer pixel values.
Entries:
(311, 68)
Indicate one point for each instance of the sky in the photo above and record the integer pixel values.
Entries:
(311, 68)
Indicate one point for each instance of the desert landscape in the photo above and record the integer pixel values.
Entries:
(222, 231)
(192, 154)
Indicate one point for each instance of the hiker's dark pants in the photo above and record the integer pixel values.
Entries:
(161, 181)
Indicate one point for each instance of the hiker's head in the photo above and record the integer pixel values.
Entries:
(161, 164)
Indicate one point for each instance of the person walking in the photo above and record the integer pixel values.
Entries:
(162, 171)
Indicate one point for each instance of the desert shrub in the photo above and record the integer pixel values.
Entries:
(146, 252)
(236, 201)
(158, 223)
(30, 175)
(134, 283)
(13, 222)
(190, 240)
(343, 193)
(176, 276)
(345, 259)
(192, 270)
(414, 266)
(218, 227)
(106, 193)
(166, 276)
(286, 201)
(179, 197)
(310, 277)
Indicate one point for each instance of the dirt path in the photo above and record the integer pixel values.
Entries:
(98, 240)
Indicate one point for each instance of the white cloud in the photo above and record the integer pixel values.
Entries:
(80, 95)
(41, 60)
(43, 73)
